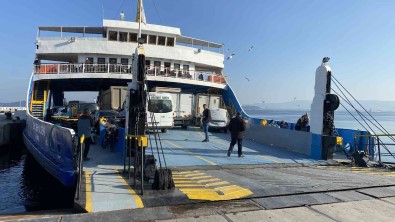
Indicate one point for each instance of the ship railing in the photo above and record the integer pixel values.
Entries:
(204, 76)
(70, 68)
(377, 146)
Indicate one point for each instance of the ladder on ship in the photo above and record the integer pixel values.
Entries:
(40, 94)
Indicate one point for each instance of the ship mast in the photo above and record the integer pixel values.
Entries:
(140, 16)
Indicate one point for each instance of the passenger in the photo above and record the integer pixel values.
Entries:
(8, 115)
(236, 127)
(273, 124)
(303, 123)
(71, 111)
(283, 125)
(200, 77)
(206, 119)
(85, 124)
(37, 65)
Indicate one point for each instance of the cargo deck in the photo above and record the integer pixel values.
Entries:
(203, 173)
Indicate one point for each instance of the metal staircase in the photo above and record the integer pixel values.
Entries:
(37, 105)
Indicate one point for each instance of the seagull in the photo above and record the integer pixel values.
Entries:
(247, 79)
(250, 48)
(231, 56)
(294, 98)
(325, 59)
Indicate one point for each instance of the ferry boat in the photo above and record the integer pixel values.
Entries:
(86, 58)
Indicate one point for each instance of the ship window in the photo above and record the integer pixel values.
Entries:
(123, 36)
(177, 66)
(113, 35)
(147, 62)
(170, 41)
(144, 37)
(101, 60)
(157, 65)
(185, 67)
(132, 37)
(113, 60)
(89, 60)
(159, 105)
(124, 61)
(161, 40)
(152, 39)
(167, 67)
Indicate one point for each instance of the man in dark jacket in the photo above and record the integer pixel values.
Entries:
(84, 128)
(236, 127)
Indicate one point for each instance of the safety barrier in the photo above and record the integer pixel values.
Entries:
(377, 146)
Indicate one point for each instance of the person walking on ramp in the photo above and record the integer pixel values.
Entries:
(206, 119)
(236, 127)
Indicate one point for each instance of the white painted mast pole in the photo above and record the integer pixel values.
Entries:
(139, 36)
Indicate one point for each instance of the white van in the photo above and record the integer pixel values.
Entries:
(219, 119)
(160, 111)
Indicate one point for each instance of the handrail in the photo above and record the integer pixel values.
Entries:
(205, 76)
(80, 165)
(109, 68)
(68, 68)
(373, 140)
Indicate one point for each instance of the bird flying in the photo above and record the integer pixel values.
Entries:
(250, 49)
(247, 79)
(231, 56)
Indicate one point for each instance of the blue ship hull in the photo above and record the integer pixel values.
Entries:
(52, 147)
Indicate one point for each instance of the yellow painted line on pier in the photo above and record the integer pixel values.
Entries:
(206, 187)
(136, 197)
(200, 177)
(88, 192)
(192, 153)
(188, 185)
(269, 158)
(362, 170)
(216, 184)
(208, 180)
(185, 172)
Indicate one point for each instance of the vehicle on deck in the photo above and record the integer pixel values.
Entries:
(160, 111)
(219, 119)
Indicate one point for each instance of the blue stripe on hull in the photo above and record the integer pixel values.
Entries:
(67, 178)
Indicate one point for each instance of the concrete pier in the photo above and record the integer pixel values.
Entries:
(10, 132)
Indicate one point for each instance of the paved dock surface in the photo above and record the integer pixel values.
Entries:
(366, 208)
(106, 189)
(268, 184)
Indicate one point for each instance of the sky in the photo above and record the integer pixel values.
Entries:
(289, 39)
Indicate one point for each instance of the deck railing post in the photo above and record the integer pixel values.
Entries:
(58, 68)
(378, 148)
